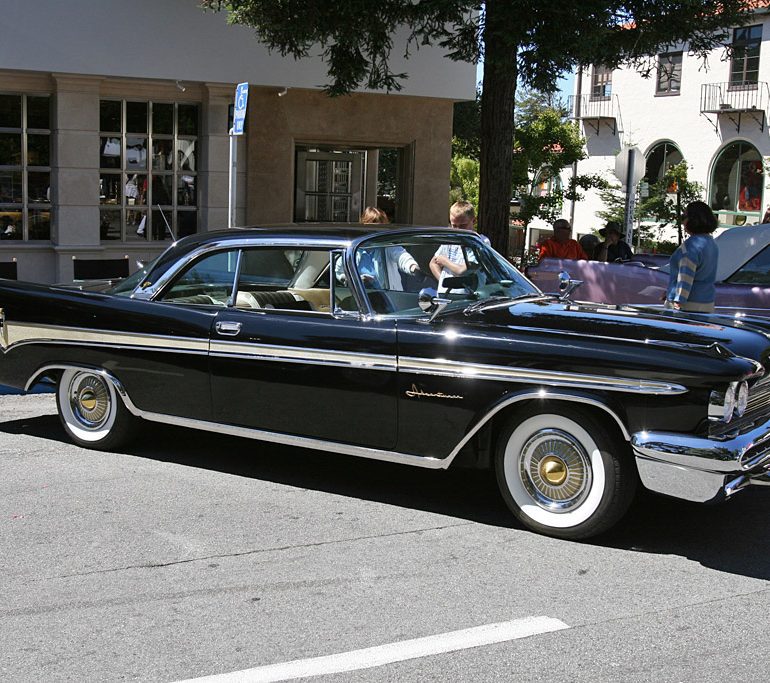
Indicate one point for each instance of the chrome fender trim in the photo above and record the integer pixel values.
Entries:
(543, 395)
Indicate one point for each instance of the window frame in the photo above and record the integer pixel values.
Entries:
(26, 207)
(743, 43)
(601, 83)
(667, 73)
(155, 213)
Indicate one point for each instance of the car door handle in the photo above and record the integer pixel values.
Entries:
(228, 328)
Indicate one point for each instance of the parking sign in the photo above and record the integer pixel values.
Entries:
(239, 114)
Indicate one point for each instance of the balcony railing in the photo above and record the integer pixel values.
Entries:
(736, 100)
(594, 111)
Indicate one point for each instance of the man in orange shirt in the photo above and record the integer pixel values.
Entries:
(561, 245)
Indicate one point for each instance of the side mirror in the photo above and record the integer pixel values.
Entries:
(429, 301)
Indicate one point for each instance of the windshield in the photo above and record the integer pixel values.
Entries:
(455, 265)
(126, 286)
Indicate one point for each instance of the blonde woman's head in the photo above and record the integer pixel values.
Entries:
(372, 214)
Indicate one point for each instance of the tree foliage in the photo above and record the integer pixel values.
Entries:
(669, 196)
(661, 209)
(520, 41)
(464, 180)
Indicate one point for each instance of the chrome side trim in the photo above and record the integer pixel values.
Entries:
(331, 446)
(348, 449)
(498, 373)
(31, 333)
(17, 334)
(298, 354)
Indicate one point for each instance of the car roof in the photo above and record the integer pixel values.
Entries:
(739, 245)
(339, 236)
(343, 233)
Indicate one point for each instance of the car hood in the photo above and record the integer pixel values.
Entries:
(652, 341)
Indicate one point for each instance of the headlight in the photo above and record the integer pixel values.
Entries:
(741, 399)
(729, 405)
(722, 404)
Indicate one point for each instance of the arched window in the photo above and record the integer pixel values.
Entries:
(660, 158)
(546, 183)
(736, 185)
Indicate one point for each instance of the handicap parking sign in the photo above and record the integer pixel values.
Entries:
(239, 113)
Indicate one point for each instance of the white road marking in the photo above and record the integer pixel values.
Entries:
(371, 657)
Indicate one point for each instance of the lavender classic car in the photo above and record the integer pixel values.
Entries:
(743, 275)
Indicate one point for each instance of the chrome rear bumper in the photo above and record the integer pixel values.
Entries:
(701, 469)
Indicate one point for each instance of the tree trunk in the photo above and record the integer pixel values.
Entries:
(497, 107)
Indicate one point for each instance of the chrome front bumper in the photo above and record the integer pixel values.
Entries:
(701, 469)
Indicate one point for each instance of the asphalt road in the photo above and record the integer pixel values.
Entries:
(192, 555)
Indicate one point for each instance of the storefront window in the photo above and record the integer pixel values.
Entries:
(25, 167)
(736, 185)
(148, 170)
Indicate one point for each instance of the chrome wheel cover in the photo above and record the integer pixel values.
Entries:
(555, 470)
(89, 400)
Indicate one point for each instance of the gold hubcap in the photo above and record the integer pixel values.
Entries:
(553, 470)
(88, 400)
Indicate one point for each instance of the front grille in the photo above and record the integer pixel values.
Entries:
(759, 397)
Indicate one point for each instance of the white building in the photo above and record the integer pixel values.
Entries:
(714, 116)
(114, 134)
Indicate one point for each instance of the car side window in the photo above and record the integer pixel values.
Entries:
(207, 281)
(755, 272)
(284, 279)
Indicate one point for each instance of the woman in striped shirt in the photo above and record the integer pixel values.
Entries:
(693, 266)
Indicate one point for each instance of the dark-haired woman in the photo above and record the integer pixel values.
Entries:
(693, 266)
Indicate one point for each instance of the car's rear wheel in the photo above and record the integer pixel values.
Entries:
(91, 412)
(563, 473)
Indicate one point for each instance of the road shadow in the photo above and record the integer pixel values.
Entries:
(733, 537)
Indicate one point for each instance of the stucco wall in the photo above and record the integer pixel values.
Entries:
(303, 116)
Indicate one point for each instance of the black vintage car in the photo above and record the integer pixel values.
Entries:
(341, 340)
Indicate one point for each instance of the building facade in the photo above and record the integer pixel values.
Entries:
(114, 121)
(712, 115)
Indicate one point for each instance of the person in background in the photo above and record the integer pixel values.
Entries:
(394, 260)
(561, 245)
(693, 265)
(613, 248)
(590, 244)
(448, 261)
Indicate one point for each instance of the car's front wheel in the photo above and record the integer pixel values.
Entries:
(91, 412)
(563, 473)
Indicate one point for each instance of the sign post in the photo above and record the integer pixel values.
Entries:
(630, 166)
(239, 117)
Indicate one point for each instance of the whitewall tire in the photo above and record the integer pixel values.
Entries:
(90, 410)
(563, 473)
